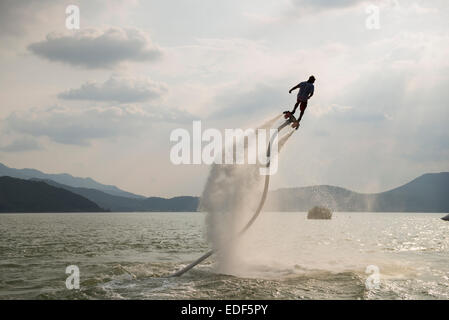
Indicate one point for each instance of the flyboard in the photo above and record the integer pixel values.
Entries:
(290, 119)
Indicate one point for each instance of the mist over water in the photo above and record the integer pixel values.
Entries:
(231, 196)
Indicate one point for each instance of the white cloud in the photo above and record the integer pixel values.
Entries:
(117, 89)
(379, 112)
(21, 144)
(326, 4)
(80, 126)
(94, 48)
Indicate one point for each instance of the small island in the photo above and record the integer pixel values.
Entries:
(318, 212)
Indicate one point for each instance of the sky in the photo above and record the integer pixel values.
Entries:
(101, 101)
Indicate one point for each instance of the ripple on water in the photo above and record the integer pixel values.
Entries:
(285, 256)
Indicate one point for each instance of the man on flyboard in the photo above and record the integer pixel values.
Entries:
(306, 90)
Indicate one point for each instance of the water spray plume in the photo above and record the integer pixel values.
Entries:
(231, 194)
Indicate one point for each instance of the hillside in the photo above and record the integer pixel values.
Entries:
(65, 179)
(302, 199)
(124, 204)
(17, 195)
(427, 193)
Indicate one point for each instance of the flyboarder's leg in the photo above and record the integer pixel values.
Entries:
(302, 108)
(301, 114)
(296, 107)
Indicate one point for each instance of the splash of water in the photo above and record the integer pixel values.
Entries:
(231, 196)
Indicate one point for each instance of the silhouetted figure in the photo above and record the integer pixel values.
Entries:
(306, 90)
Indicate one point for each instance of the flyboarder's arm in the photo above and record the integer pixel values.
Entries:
(295, 87)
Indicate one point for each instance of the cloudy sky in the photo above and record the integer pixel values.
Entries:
(101, 101)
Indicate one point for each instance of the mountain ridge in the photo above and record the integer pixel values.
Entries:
(124, 204)
(18, 195)
(66, 179)
(426, 193)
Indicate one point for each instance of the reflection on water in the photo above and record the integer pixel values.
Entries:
(284, 256)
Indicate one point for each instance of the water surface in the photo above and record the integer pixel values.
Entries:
(283, 256)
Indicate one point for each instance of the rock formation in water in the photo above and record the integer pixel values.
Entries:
(319, 213)
(446, 218)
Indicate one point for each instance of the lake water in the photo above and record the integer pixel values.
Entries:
(283, 256)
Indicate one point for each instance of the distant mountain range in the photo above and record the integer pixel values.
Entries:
(18, 195)
(124, 204)
(427, 193)
(65, 179)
